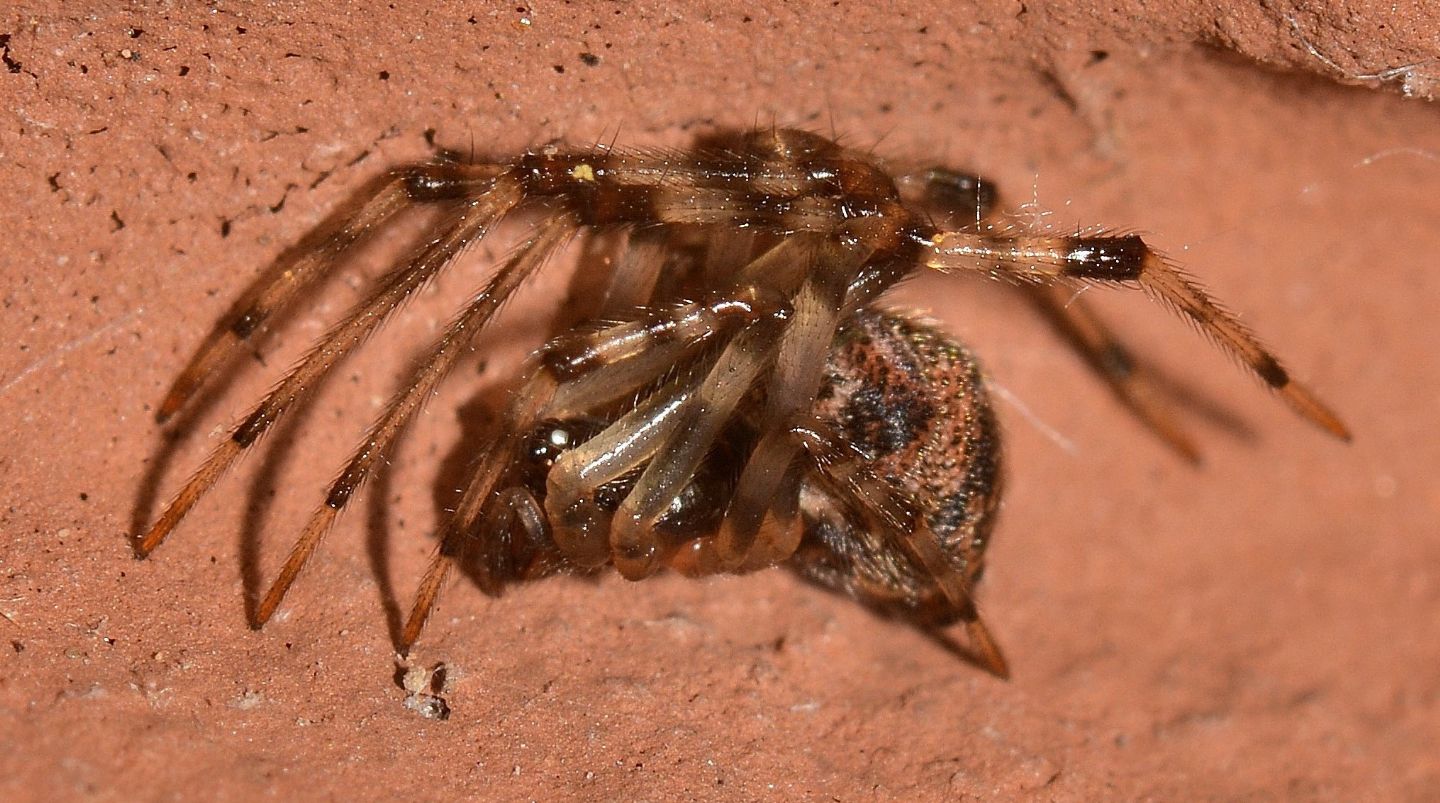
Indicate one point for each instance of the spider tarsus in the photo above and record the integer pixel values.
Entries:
(266, 610)
(1303, 401)
(146, 544)
(304, 547)
(138, 550)
(424, 604)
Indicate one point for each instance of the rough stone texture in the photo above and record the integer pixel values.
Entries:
(1263, 626)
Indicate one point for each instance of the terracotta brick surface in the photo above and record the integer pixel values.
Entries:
(1261, 626)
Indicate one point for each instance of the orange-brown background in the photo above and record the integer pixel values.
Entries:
(1262, 626)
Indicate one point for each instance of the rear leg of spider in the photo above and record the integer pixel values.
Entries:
(431, 370)
(881, 507)
(971, 203)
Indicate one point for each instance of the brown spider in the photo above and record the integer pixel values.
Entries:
(744, 402)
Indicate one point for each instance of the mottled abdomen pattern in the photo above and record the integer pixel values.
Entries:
(913, 403)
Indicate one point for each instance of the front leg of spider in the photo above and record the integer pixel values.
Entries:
(466, 222)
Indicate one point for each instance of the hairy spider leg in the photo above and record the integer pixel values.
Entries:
(465, 225)
(549, 237)
(970, 202)
(1125, 259)
(639, 267)
(315, 256)
(489, 469)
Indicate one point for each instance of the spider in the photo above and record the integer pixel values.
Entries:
(741, 399)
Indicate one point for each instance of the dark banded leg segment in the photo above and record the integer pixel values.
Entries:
(433, 368)
(314, 257)
(466, 225)
(1125, 259)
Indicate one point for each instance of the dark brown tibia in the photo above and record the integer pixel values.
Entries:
(914, 403)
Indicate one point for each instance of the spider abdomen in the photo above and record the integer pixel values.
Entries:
(912, 402)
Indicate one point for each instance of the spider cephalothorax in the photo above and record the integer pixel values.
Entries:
(738, 400)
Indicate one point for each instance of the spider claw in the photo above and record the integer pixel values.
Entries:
(1309, 406)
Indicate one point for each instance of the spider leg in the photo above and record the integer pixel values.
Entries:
(962, 199)
(652, 432)
(580, 371)
(696, 423)
(969, 201)
(581, 527)
(489, 469)
(795, 379)
(503, 561)
(597, 366)
(887, 510)
(781, 528)
(577, 529)
(314, 257)
(452, 343)
(468, 223)
(639, 267)
(1045, 259)
(724, 249)
(600, 367)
